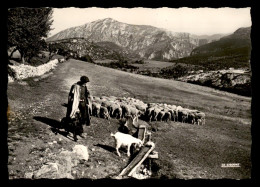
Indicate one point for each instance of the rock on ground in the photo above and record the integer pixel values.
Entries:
(81, 152)
(50, 171)
(62, 167)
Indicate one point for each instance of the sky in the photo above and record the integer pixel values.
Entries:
(198, 21)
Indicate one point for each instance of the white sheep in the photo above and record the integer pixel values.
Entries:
(167, 116)
(133, 111)
(125, 110)
(155, 113)
(149, 113)
(118, 113)
(104, 113)
(112, 107)
(127, 140)
(200, 118)
(160, 115)
(96, 109)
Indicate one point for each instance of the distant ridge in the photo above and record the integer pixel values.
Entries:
(145, 41)
(237, 43)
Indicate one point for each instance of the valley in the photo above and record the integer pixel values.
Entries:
(152, 52)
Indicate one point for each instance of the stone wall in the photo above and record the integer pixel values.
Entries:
(24, 71)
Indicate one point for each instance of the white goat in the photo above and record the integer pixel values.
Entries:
(126, 140)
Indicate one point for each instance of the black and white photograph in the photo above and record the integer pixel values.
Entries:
(129, 93)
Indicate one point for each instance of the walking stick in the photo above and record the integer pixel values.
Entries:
(90, 112)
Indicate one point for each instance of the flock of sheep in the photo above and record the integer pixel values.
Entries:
(113, 107)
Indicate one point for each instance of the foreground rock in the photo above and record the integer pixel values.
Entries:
(62, 168)
(81, 152)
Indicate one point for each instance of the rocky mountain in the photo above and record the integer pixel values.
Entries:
(145, 41)
(148, 42)
(117, 49)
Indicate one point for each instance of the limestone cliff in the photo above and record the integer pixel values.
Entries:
(146, 41)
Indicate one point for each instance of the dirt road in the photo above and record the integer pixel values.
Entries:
(185, 151)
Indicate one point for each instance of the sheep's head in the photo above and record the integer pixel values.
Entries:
(140, 113)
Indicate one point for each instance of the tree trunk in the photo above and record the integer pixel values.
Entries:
(23, 60)
(22, 56)
(29, 59)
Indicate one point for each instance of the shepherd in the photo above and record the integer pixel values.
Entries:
(79, 100)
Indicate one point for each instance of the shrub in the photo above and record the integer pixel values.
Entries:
(87, 58)
(176, 71)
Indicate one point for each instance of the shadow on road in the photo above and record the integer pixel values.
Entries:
(54, 124)
(106, 147)
(51, 122)
(113, 150)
